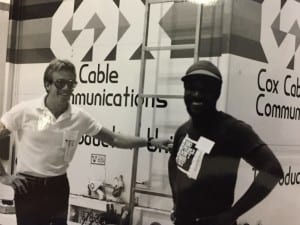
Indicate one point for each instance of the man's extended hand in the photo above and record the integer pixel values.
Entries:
(18, 183)
(166, 144)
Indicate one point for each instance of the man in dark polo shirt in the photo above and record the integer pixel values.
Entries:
(204, 163)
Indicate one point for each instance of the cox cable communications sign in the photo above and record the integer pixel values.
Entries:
(264, 91)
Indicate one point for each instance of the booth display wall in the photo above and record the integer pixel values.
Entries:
(269, 78)
(254, 43)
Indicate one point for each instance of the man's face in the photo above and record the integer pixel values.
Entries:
(201, 95)
(62, 86)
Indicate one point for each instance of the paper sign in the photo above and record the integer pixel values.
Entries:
(205, 145)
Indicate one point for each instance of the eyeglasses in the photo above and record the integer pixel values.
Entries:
(61, 83)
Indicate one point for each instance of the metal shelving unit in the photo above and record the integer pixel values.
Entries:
(145, 48)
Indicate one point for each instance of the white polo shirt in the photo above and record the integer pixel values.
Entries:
(46, 145)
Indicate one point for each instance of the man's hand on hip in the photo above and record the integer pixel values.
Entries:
(18, 183)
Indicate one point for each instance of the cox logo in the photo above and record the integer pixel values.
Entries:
(280, 32)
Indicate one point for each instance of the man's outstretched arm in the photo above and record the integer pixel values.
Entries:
(127, 141)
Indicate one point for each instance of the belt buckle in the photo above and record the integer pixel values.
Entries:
(45, 181)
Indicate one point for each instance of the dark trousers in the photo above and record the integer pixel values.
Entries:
(45, 203)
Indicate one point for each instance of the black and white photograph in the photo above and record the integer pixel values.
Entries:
(149, 112)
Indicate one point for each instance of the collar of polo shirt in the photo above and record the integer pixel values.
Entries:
(46, 117)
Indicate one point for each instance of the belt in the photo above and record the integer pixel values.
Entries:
(44, 180)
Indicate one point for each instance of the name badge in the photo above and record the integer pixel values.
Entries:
(191, 154)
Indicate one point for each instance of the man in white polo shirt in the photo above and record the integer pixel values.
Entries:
(48, 130)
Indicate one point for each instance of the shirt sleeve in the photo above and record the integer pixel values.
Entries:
(92, 125)
(12, 119)
(244, 139)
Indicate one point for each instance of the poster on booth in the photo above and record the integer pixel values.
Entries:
(270, 85)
